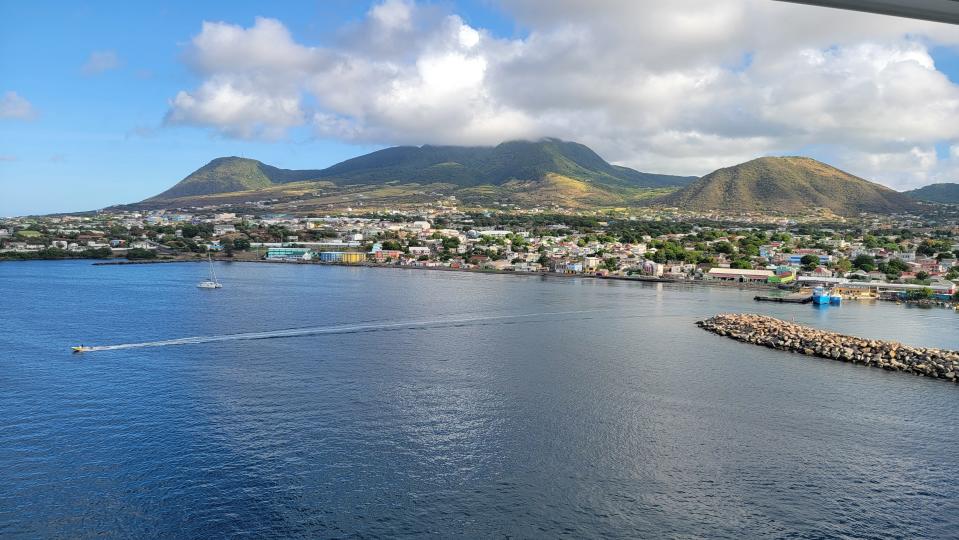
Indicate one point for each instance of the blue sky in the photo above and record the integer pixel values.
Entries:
(100, 79)
(99, 139)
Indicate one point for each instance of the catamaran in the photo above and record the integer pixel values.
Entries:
(211, 283)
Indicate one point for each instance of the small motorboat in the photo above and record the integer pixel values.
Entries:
(80, 349)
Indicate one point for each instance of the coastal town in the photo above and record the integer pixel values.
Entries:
(903, 259)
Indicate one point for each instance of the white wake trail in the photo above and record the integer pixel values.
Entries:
(319, 330)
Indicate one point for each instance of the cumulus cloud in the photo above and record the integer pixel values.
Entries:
(15, 107)
(99, 62)
(683, 86)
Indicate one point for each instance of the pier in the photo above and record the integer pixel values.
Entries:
(786, 336)
(794, 298)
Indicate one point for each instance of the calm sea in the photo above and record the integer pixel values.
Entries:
(415, 403)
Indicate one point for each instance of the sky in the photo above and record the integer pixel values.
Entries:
(111, 102)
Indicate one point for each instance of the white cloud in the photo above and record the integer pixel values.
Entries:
(8, 157)
(682, 86)
(99, 62)
(15, 107)
(393, 14)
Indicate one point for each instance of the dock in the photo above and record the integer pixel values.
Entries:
(794, 298)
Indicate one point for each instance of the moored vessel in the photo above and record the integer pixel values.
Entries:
(211, 283)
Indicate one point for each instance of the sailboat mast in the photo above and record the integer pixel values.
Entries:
(212, 272)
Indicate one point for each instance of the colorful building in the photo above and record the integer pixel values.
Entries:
(739, 275)
(347, 257)
(289, 254)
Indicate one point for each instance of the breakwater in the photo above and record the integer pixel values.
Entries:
(786, 336)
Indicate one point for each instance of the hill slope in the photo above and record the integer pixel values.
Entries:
(946, 193)
(229, 174)
(789, 185)
(477, 165)
(460, 166)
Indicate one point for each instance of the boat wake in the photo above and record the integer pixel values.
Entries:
(339, 329)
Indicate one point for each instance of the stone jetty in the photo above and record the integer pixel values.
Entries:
(786, 336)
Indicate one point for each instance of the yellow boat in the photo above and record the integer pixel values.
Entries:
(81, 348)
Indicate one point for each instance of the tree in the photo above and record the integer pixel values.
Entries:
(898, 265)
(843, 265)
(866, 263)
(741, 264)
(450, 243)
(925, 249)
(189, 230)
(139, 253)
(922, 276)
(392, 245)
(920, 294)
(226, 245)
(809, 262)
(723, 247)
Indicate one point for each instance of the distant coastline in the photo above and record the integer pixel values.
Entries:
(635, 278)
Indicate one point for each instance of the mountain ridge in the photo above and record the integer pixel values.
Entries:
(943, 193)
(462, 166)
(787, 185)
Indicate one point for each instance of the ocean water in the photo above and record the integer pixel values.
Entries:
(353, 402)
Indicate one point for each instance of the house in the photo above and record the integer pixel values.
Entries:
(739, 275)
(221, 229)
(381, 255)
(821, 271)
(139, 244)
(650, 268)
(501, 264)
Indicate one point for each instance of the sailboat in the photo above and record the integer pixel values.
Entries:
(211, 283)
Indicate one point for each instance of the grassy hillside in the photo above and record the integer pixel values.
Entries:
(462, 166)
(313, 196)
(789, 185)
(946, 193)
(232, 174)
(472, 166)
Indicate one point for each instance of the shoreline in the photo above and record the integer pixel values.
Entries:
(640, 279)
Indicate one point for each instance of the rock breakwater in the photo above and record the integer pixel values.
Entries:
(786, 336)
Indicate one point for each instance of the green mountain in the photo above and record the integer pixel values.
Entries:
(787, 185)
(460, 166)
(467, 166)
(946, 193)
(229, 174)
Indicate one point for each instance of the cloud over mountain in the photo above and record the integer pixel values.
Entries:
(682, 86)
